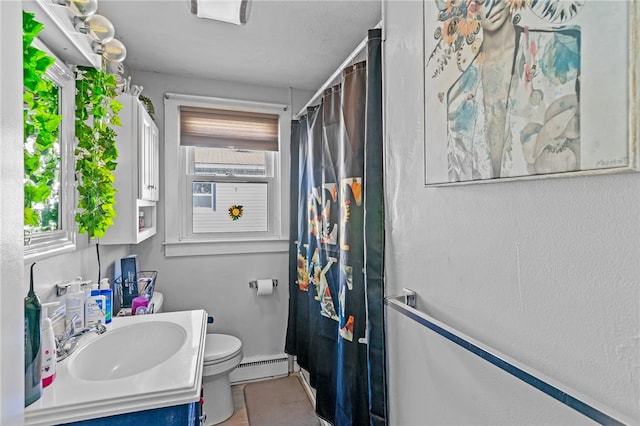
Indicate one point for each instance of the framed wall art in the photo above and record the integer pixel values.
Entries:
(521, 89)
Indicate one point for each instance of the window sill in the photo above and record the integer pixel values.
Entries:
(203, 248)
(44, 251)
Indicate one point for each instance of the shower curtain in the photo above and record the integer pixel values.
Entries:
(335, 326)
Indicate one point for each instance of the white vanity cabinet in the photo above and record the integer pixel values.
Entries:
(136, 176)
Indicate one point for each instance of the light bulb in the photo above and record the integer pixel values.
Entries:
(114, 51)
(81, 7)
(114, 67)
(99, 28)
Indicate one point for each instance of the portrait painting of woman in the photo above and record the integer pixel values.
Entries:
(506, 76)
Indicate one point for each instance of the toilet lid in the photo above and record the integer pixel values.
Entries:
(219, 347)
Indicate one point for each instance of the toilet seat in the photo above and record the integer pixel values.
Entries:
(219, 348)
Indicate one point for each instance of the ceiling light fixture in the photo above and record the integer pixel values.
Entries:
(99, 34)
(231, 11)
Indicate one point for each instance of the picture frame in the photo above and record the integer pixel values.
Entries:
(556, 96)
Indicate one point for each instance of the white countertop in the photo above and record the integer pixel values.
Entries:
(176, 381)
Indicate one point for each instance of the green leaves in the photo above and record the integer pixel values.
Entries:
(41, 133)
(116, 106)
(96, 152)
(30, 28)
(36, 193)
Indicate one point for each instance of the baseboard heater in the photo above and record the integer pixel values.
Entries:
(260, 367)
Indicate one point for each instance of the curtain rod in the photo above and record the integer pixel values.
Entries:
(336, 73)
(201, 98)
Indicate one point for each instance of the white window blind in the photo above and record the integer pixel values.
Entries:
(218, 128)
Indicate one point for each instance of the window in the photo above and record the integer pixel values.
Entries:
(225, 163)
(55, 232)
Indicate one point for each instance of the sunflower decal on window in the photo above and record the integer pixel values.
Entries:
(235, 212)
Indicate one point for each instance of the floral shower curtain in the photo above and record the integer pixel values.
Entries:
(335, 324)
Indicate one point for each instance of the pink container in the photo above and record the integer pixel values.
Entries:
(137, 302)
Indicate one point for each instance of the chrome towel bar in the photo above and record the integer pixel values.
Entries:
(405, 303)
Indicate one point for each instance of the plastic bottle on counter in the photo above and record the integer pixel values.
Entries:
(91, 289)
(106, 291)
(139, 302)
(48, 351)
(94, 310)
(75, 305)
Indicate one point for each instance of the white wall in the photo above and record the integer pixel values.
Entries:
(545, 271)
(11, 201)
(80, 263)
(219, 283)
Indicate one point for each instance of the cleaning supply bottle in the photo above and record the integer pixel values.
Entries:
(75, 305)
(91, 289)
(32, 362)
(48, 351)
(106, 291)
(94, 310)
(139, 302)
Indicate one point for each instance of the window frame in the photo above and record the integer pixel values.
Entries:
(179, 240)
(47, 244)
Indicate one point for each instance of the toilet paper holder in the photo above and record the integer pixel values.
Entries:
(254, 283)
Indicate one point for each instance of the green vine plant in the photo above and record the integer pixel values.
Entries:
(41, 133)
(96, 154)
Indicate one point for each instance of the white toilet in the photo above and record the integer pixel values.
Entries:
(222, 353)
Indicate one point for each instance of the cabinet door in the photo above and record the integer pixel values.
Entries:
(145, 179)
(154, 158)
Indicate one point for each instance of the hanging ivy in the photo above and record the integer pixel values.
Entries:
(41, 132)
(96, 153)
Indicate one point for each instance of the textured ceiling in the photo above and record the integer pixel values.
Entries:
(294, 43)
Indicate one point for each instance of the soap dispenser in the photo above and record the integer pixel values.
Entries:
(32, 362)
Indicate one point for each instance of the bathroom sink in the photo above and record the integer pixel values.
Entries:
(142, 362)
(127, 351)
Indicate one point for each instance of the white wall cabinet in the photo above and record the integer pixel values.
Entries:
(148, 179)
(136, 176)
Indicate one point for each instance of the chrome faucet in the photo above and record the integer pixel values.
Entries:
(67, 342)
